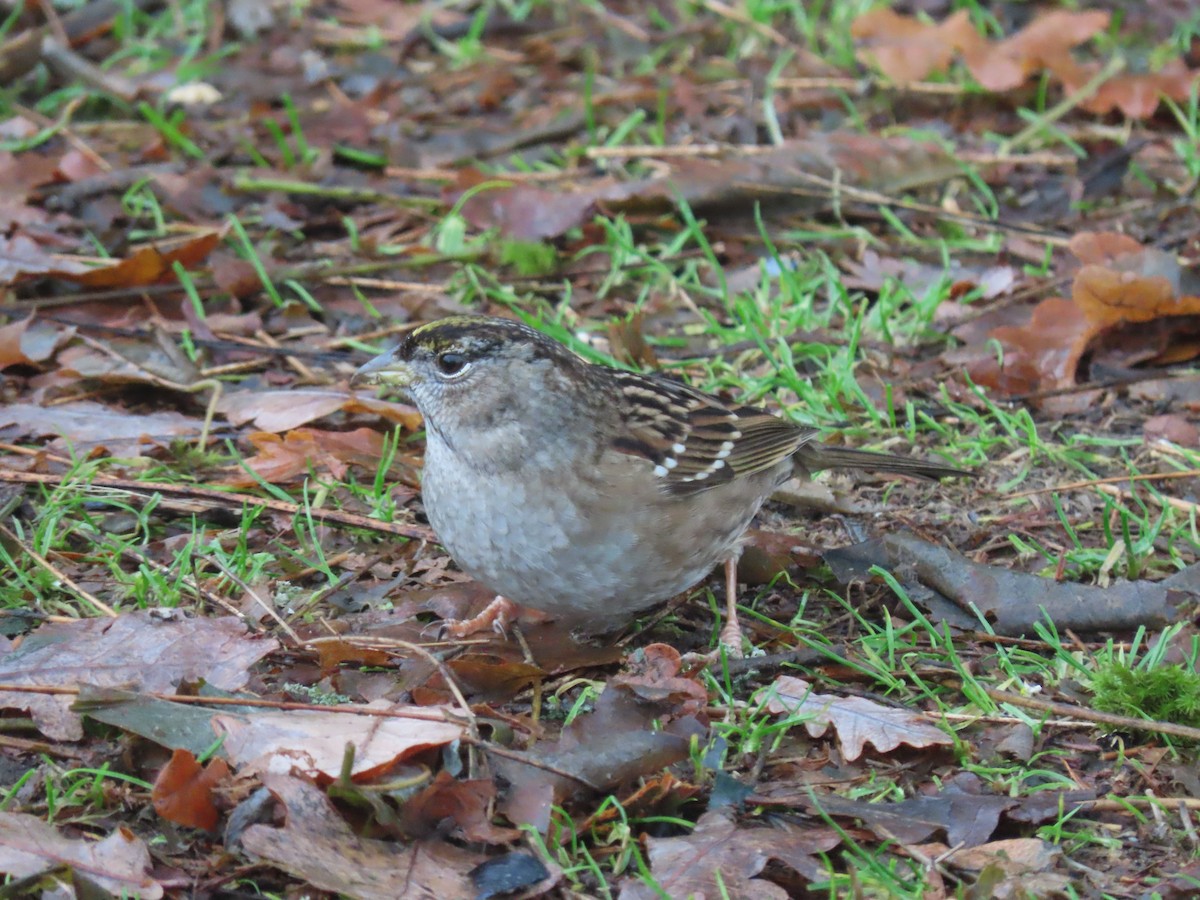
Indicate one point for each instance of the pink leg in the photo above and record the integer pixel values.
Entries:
(731, 633)
(498, 614)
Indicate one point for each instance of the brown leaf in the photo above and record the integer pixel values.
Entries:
(140, 651)
(1173, 428)
(317, 846)
(856, 720)
(689, 866)
(652, 674)
(283, 410)
(315, 740)
(614, 743)
(490, 679)
(21, 257)
(465, 803)
(279, 460)
(1136, 94)
(183, 790)
(87, 426)
(119, 864)
(1006, 64)
(148, 265)
(1011, 601)
(1013, 856)
(966, 816)
(907, 49)
(279, 411)
(31, 341)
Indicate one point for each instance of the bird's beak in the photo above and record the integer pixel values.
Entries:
(384, 369)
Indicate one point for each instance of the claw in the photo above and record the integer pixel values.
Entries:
(499, 614)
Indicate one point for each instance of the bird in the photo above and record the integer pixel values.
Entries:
(590, 493)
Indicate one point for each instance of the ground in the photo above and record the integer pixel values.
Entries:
(961, 231)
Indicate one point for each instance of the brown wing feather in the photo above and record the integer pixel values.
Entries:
(695, 440)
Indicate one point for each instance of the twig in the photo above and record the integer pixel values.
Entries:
(1185, 506)
(1079, 712)
(1114, 479)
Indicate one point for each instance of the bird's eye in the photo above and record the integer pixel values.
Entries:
(452, 363)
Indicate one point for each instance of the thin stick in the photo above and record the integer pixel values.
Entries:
(1114, 479)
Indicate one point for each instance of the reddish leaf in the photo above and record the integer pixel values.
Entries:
(148, 265)
(183, 790)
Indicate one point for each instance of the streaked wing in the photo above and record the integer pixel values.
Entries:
(695, 440)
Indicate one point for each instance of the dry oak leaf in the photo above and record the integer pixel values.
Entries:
(31, 341)
(282, 459)
(284, 410)
(119, 864)
(906, 49)
(688, 866)
(856, 720)
(148, 265)
(148, 650)
(1014, 856)
(315, 741)
(1135, 94)
(1006, 64)
(316, 845)
(1127, 307)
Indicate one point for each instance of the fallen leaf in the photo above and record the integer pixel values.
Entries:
(119, 864)
(967, 817)
(1171, 427)
(279, 460)
(465, 804)
(315, 740)
(1006, 64)
(317, 846)
(1013, 856)
(31, 341)
(1009, 601)
(146, 266)
(87, 426)
(141, 651)
(183, 790)
(689, 866)
(907, 49)
(652, 674)
(856, 720)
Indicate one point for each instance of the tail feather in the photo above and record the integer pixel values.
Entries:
(815, 457)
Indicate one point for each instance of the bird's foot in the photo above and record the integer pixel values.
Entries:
(499, 615)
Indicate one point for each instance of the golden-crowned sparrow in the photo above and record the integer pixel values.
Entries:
(584, 491)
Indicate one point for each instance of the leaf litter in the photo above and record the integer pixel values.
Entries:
(379, 157)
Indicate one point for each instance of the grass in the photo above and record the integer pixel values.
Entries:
(798, 341)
